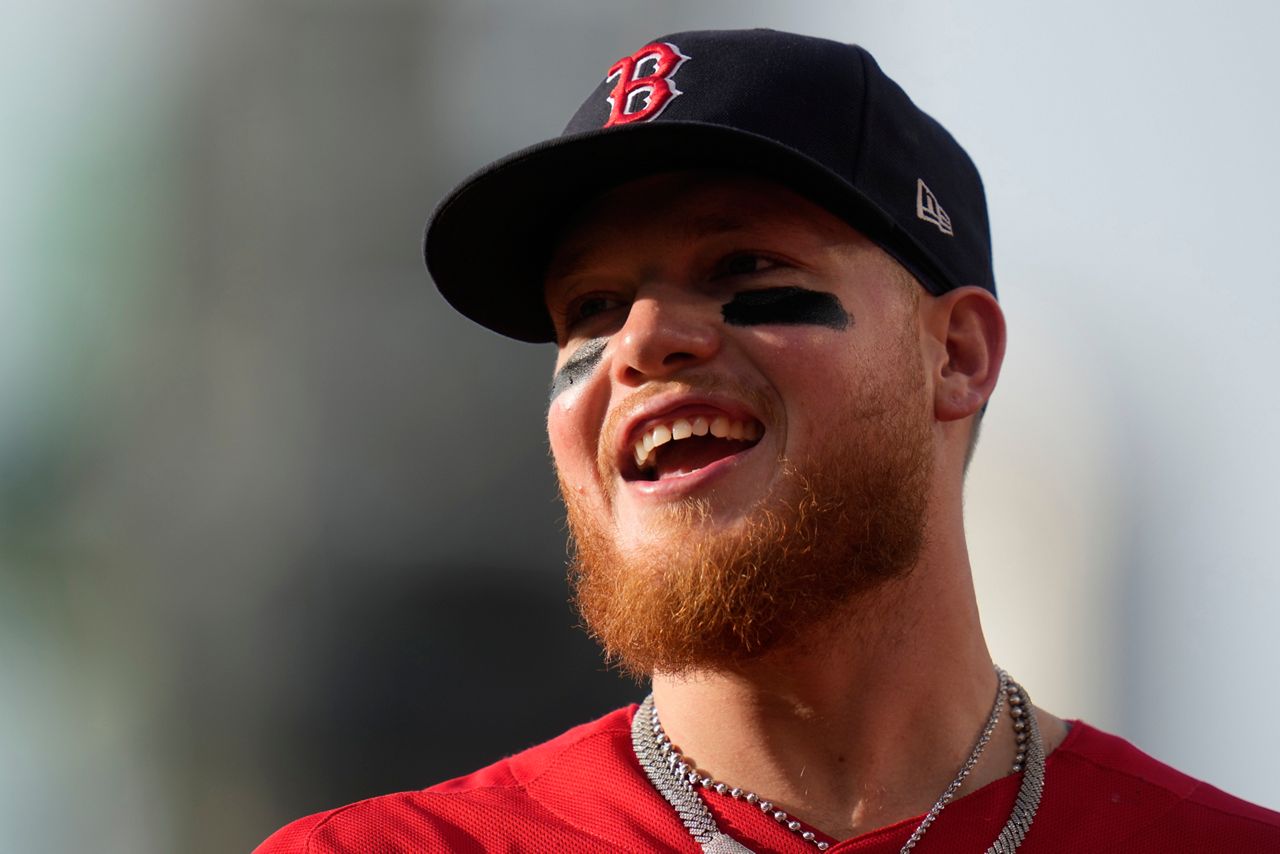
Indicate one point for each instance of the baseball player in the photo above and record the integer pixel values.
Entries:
(767, 274)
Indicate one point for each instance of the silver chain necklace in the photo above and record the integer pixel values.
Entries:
(675, 778)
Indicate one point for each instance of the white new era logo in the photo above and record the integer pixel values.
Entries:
(928, 209)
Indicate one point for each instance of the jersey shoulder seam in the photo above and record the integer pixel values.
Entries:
(1198, 786)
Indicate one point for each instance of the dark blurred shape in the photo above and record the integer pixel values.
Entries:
(419, 678)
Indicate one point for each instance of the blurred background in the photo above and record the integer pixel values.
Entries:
(278, 530)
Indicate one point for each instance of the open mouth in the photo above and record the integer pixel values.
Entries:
(678, 446)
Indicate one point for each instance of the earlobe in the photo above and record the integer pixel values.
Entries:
(972, 327)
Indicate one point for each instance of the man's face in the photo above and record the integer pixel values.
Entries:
(739, 420)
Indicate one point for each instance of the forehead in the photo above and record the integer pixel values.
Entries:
(692, 205)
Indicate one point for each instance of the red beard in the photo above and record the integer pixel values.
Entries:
(835, 528)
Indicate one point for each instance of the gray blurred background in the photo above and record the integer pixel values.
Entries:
(277, 529)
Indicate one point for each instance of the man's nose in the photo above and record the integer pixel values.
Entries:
(663, 336)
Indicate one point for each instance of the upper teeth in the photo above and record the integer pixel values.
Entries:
(719, 426)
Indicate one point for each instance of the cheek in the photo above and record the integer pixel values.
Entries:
(573, 444)
(804, 361)
(817, 374)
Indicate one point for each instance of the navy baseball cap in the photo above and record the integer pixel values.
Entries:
(818, 116)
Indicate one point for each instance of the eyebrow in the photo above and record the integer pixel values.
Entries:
(711, 225)
(700, 226)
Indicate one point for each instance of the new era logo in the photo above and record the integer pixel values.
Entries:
(928, 209)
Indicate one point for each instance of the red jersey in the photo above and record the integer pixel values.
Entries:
(585, 791)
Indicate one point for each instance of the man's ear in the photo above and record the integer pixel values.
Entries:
(969, 325)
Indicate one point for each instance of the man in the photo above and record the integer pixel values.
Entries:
(768, 277)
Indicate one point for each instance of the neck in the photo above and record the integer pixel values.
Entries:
(864, 720)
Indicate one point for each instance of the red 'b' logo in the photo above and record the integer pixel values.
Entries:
(644, 86)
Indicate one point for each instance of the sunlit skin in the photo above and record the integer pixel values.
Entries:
(658, 295)
(868, 716)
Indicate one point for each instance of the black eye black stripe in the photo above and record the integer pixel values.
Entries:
(787, 306)
(579, 366)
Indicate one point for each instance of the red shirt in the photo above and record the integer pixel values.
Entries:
(585, 791)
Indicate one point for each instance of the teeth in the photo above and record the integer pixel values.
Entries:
(682, 428)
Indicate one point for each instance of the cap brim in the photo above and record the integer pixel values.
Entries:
(488, 243)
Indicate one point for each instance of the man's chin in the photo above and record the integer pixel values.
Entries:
(676, 532)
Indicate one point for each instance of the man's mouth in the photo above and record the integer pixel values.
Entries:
(677, 446)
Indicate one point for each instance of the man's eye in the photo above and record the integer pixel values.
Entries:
(590, 306)
(743, 264)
